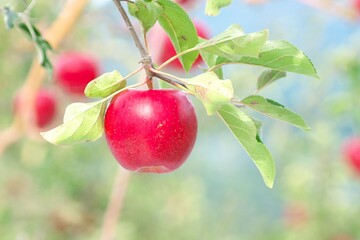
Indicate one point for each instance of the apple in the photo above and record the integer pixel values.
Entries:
(168, 49)
(351, 151)
(74, 70)
(185, 3)
(45, 107)
(150, 131)
(356, 4)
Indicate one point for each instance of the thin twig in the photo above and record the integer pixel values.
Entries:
(168, 78)
(133, 73)
(167, 62)
(115, 205)
(172, 82)
(30, 6)
(146, 58)
(238, 104)
(164, 74)
(139, 45)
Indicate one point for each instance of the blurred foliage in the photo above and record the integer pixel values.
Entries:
(49, 192)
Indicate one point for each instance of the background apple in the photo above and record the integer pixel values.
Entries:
(356, 4)
(186, 3)
(151, 130)
(168, 50)
(62, 192)
(45, 107)
(74, 70)
(352, 153)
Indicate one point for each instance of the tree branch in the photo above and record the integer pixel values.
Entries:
(115, 205)
(139, 45)
(8, 137)
(146, 58)
(168, 80)
(24, 119)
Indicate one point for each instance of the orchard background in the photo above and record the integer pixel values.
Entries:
(49, 192)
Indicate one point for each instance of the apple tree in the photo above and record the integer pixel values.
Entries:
(154, 130)
(85, 121)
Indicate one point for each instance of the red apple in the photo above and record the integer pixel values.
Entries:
(351, 151)
(356, 4)
(45, 107)
(151, 130)
(168, 49)
(185, 3)
(73, 71)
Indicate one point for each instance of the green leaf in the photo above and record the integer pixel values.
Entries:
(181, 30)
(269, 76)
(258, 125)
(41, 44)
(281, 56)
(233, 43)
(210, 90)
(245, 131)
(29, 32)
(213, 6)
(10, 18)
(275, 110)
(210, 60)
(105, 85)
(147, 12)
(82, 122)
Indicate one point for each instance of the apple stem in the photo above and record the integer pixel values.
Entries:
(149, 83)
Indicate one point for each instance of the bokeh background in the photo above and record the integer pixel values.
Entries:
(49, 192)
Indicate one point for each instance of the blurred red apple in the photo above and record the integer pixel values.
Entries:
(351, 150)
(356, 4)
(186, 3)
(151, 130)
(167, 51)
(73, 71)
(45, 107)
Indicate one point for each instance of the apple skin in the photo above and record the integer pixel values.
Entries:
(351, 151)
(356, 4)
(45, 107)
(169, 51)
(150, 131)
(185, 3)
(74, 70)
